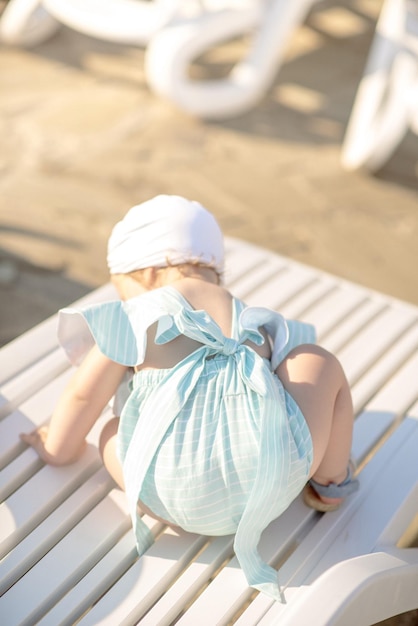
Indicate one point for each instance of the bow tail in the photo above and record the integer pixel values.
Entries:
(261, 507)
(156, 417)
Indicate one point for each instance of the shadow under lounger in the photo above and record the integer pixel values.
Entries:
(66, 546)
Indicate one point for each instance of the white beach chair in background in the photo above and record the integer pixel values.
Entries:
(26, 23)
(175, 33)
(386, 104)
(172, 51)
(131, 22)
(67, 551)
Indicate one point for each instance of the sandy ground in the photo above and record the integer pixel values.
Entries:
(83, 139)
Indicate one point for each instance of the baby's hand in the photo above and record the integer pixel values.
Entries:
(36, 439)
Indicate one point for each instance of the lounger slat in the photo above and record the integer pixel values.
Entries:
(273, 287)
(25, 351)
(339, 337)
(99, 578)
(390, 363)
(22, 374)
(245, 284)
(31, 380)
(190, 583)
(393, 533)
(239, 265)
(387, 409)
(267, 280)
(15, 474)
(282, 534)
(33, 413)
(399, 392)
(35, 545)
(370, 430)
(40, 495)
(299, 306)
(44, 490)
(84, 594)
(371, 342)
(144, 583)
(281, 289)
(67, 562)
(328, 313)
(228, 593)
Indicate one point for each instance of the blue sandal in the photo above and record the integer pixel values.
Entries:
(313, 492)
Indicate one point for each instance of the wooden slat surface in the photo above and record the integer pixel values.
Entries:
(69, 553)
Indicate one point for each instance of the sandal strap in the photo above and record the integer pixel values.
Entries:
(340, 490)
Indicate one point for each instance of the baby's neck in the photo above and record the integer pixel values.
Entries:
(129, 286)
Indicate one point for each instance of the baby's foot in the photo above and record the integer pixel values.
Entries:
(320, 503)
(323, 497)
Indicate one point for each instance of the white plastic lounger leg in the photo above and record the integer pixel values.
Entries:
(172, 51)
(26, 23)
(386, 98)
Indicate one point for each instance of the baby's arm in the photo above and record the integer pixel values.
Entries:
(80, 405)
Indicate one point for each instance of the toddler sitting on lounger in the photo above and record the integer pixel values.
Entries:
(233, 410)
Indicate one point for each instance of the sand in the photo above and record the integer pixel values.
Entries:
(83, 139)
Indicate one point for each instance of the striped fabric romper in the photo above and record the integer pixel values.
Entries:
(214, 445)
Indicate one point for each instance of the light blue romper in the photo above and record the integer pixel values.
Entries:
(215, 444)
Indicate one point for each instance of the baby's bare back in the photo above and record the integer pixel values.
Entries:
(202, 295)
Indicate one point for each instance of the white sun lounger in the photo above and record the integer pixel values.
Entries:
(66, 546)
(31, 22)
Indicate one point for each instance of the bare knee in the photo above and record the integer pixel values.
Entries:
(314, 378)
(311, 365)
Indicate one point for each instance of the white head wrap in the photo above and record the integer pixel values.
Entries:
(165, 230)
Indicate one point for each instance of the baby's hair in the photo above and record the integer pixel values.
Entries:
(138, 275)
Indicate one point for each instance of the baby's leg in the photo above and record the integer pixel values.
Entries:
(315, 379)
(107, 447)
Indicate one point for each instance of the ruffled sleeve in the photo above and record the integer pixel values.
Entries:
(285, 334)
(299, 333)
(118, 328)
